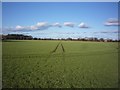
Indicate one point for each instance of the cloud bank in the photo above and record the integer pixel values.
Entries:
(44, 26)
(38, 26)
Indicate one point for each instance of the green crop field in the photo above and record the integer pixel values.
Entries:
(59, 64)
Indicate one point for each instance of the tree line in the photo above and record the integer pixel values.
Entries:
(27, 37)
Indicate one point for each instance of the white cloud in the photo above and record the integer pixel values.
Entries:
(18, 27)
(33, 27)
(56, 24)
(41, 24)
(69, 24)
(112, 22)
(82, 25)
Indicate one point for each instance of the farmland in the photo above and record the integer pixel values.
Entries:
(59, 64)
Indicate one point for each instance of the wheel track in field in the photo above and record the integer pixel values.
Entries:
(62, 61)
(54, 51)
(50, 54)
(46, 64)
(56, 47)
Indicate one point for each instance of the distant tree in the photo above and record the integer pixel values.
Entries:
(69, 38)
(35, 38)
(95, 39)
(101, 39)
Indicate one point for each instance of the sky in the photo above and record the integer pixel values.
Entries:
(61, 19)
(60, 0)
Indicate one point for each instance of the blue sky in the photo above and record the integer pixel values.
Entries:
(61, 19)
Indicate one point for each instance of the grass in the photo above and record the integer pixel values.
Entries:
(55, 64)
